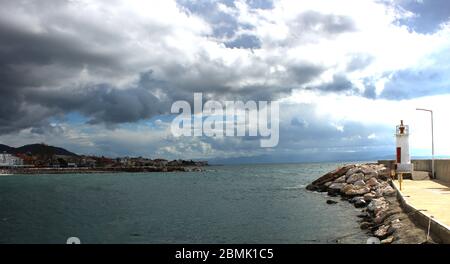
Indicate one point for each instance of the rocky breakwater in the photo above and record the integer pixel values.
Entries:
(368, 186)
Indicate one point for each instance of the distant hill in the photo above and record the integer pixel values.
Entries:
(37, 149)
(4, 148)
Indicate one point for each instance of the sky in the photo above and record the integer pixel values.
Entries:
(99, 77)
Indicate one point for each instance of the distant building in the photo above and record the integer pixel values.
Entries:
(88, 162)
(178, 162)
(28, 159)
(160, 162)
(72, 165)
(7, 160)
(125, 161)
(104, 162)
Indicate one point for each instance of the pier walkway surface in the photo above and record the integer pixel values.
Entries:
(432, 198)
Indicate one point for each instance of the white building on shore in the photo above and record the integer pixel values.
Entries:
(7, 160)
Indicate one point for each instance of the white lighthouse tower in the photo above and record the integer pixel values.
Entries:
(402, 142)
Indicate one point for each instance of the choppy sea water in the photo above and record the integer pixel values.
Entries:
(225, 204)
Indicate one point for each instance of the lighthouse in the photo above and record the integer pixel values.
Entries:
(402, 143)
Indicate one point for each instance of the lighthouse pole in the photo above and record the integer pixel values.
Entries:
(433, 176)
(432, 141)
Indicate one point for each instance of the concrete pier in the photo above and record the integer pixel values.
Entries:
(431, 200)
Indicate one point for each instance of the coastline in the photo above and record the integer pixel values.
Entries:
(369, 187)
(32, 171)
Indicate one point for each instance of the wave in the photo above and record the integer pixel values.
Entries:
(300, 186)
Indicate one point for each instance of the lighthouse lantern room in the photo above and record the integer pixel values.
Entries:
(402, 142)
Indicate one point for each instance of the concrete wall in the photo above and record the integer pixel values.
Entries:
(422, 165)
(441, 167)
(388, 163)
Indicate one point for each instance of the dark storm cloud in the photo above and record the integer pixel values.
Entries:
(14, 116)
(18, 46)
(36, 68)
(102, 103)
(22, 108)
(429, 14)
(19, 54)
(46, 45)
(212, 78)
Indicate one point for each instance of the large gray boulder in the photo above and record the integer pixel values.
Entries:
(372, 183)
(367, 170)
(370, 175)
(368, 197)
(358, 201)
(340, 179)
(355, 177)
(382, 232)
(388, 240)
(319, 184)
(359, 183)
(335, 188)
(384, 173)
(377, 204)
(352, 171)
(357, 191)
(388, 191)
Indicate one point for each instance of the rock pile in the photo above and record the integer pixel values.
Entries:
(368, 186)
(366, 182)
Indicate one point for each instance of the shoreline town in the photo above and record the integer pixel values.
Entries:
(44, 159)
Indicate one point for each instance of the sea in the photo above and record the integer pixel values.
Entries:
(263, 203)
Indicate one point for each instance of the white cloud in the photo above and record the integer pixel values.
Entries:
(372, 136)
